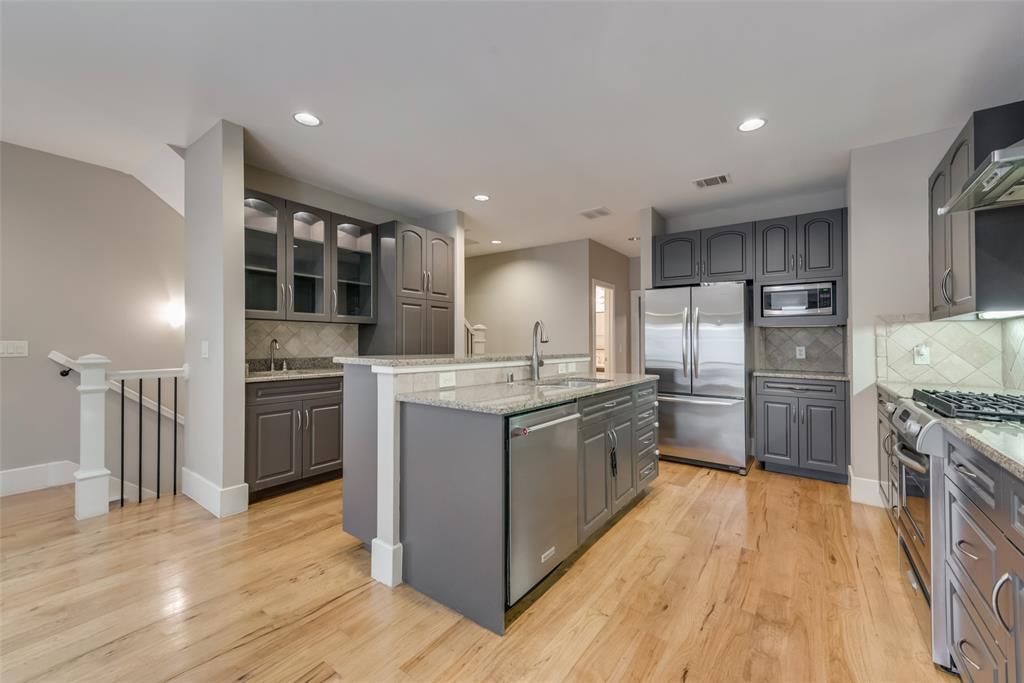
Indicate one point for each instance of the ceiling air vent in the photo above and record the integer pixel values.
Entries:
(596, 212)
(712, 180)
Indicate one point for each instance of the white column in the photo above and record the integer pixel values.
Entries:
(92, 476)
(386, 549)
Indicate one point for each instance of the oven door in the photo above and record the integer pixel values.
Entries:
(813, 298)
(915, 507)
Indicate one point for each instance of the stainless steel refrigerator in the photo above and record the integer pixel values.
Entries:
(696, 340)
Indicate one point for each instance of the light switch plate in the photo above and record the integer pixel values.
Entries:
(572, 367)
(446, 379)
(922, 355)
(14, 349)
(204, 349)
(801, 352)
(561, 368)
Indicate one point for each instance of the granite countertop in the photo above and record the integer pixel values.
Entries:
(804, 374)
(411, 361)
(517, 397)
(300, 373)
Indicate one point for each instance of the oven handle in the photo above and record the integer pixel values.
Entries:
(909, 460)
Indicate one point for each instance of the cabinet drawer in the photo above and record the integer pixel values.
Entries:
(645, 393)
(974, 649)
(291, 390)
(646, 416)
(780, 386)
(1011, 509)
(978, 477)
(646, 438)
(646, 466)
(596, 407)
(973, 546)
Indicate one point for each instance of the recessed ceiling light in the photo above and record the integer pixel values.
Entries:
(751, 125)
(634, 238)
(306, 119)
(481, 197)
(495, 241)
(999, 315)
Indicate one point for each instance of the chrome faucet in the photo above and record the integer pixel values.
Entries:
(274, 347)
(539, 337)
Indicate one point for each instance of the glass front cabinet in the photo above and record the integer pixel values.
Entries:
(304, 263)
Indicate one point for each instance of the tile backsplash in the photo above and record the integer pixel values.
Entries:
(300, 339)
(824, 346)
(1013, 353)
(967, 353)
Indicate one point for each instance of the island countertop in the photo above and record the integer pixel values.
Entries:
(426, 360)
(507, 398)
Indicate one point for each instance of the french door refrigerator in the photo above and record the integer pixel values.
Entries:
(696, 340)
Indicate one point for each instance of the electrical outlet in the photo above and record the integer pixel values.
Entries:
(204, 349)
(13, 349)
(561, 368)
(801, 352)
(922, 355)
(572, 367)
(447, 395)
(446, 379)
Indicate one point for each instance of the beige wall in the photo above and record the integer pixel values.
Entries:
(88, 258)
(608, 265)
(1013, 353)
(508, 291)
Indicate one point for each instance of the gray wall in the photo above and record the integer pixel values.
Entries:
(88, 258)
(508, 291)
(612, 267)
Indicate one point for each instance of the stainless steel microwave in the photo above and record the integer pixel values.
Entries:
(810, 298)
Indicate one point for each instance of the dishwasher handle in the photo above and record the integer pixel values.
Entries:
(526, 431)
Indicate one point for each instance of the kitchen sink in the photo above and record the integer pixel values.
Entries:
(572, 382)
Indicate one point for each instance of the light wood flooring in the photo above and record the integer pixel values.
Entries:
(711, 577)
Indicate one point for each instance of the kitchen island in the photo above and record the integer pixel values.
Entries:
(495, 484)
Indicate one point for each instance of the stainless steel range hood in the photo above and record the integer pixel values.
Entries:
(997, 182)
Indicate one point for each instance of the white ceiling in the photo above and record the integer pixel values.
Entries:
(550, 108)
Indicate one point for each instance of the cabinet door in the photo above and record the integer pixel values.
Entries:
(823, 435)
(819, 245)
(354, 248)
(676, 258)
(322, 435)
(961, 230)
(440, 328)
(273, 444)
(309, 267)
(264, 221)
(440, 267)
(775, 249)
(623, 464)
(975, 652)
(727, 253)
(411, 252)
(775, 425)
(595, 479)
(411, 327)
(938, 242)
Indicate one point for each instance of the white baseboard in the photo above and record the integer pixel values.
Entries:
(131, 491)
(386, 562)
(34, 477)
(221, 502)
(864, 490)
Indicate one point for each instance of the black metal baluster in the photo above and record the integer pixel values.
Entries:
(174, 424)
(140, 439)
(158, 421)
(122, 443)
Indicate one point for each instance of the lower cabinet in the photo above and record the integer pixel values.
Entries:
(622, 462)
(293, 430)
(800, 426)
(425, 327)
(595, 479)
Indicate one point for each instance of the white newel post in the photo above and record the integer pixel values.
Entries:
(92, 477)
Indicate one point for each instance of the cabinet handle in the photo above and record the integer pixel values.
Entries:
(291, 299)
(960, 646)
(960, 548)
(284, 301)
(610, 404)
(307, 419)
(794, 417)
(334, 299)
(800, 261)
(792, 261)
(943, 286)
(430, 280)
(803, 416)
(964, 471)
(647, 439)
(297, 421)
(423, 281)
(995, 600)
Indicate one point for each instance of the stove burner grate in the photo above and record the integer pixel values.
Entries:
(971, 406)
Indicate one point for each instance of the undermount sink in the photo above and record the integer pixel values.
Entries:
(572, 382)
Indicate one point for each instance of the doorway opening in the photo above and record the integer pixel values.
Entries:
(604, 327)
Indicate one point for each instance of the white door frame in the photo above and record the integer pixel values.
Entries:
(609, 313)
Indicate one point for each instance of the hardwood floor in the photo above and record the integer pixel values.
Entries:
(711, 577)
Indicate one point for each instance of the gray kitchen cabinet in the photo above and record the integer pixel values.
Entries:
(623, 462)
(411, 326)
(411, 260)
(800, 427)
(938, 241)
(440, 331)
(440, 267)
(307, 256)
(595, 486)
(775, 250)
(293, 431)
(951, 237)
(677, 259)
(978, 657)
(727, 253)
(265, 269)
(820, 239)
(355, 250)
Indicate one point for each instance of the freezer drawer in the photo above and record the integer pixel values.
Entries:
(543, 469)
(703, 429)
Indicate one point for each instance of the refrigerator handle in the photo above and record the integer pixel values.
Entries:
(686, 341)
(696, 341)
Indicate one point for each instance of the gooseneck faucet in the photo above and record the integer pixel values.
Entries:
(274, 347)
(539, 337)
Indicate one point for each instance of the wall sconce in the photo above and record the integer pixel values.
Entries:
(174, 313)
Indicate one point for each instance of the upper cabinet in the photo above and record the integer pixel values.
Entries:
(722, 254)
(820, 245)
(304, 263)
(676, 259)
(775, 249)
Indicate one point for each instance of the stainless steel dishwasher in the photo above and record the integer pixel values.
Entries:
(543, 471)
